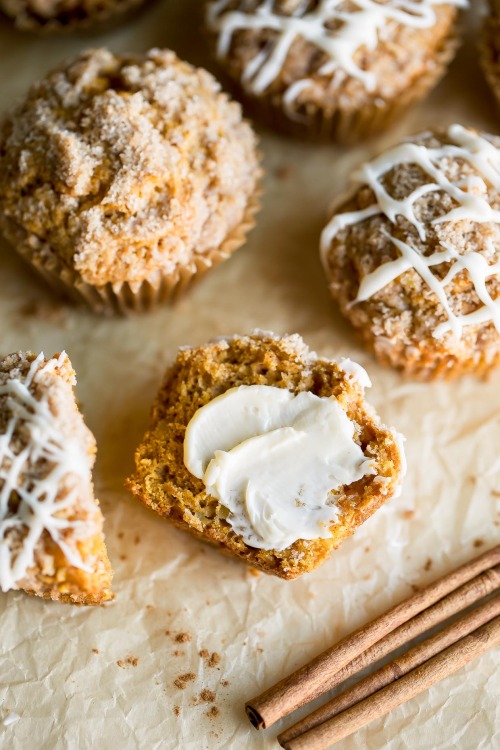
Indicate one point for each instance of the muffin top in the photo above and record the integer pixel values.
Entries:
(413, 253)
(331, 52)
(125, 166)
(60, 15)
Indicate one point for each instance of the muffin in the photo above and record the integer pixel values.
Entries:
(412, 254)
(50, 522)
(123, 179)
(58, 16)
(266, 451)
(490, 48)
(338, 70)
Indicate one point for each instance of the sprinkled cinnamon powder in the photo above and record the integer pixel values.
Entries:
(213, 711)
(182, 637)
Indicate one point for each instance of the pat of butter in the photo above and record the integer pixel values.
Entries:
(273, 459)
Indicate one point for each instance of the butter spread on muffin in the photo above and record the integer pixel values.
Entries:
(412, 255)
(51, 541)
(347, 66)
(259, 446)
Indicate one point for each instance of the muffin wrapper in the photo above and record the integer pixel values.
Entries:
(103, 20)
(489, 53)
(348, 126)
(126, 297)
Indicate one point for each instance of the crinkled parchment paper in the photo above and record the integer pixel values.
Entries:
(86, 678)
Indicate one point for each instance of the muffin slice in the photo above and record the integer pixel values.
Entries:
(51, 539)
(267, 451)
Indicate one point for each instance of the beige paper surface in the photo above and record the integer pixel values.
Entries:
(64, 670)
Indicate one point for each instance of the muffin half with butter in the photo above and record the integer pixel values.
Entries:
(267, 451)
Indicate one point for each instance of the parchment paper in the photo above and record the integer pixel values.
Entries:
(87, 678)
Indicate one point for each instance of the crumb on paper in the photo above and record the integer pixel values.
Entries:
(368, 549)
(137, 539)
(213, 711)
(120, 535)
(210, 659)
(478, 543)
(182, 638)
(130, 661)
(495, 493)
(178, 653)
(414, 587)
(177, 710)
(225, 683)
(207, 696)
(408, 514)
(95, 651)
(150, 606)
(283, 172)
(182, 681)
(428, 564)
(123, 557)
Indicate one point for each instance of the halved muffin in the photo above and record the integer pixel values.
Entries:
(256, 443)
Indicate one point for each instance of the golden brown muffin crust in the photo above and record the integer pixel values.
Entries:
(125, 167)
(198, 375)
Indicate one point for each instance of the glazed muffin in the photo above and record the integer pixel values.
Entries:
(490, 48)
(412, 255)
(59, 16)
(338, 70)
(125, 178)
(266, 451)
(50, 522)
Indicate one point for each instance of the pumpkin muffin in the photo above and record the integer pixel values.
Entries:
(490, 48)
(125, 178)
(50, 522)
(412, 255)
(60, 16)
(256, 403)
(341, 69)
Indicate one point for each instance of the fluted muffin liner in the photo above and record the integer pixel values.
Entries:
(341, 125)
(129, 297)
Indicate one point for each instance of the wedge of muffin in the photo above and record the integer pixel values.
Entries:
(267, 451)
(51, 539)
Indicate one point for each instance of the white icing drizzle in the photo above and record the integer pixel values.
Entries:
(359, 27)
(41, 498)
(472, 199)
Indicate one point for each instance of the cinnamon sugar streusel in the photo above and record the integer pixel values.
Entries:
(124, 177)
(49, 16)
(412, 255)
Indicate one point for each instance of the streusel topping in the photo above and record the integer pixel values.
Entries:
(126, 166)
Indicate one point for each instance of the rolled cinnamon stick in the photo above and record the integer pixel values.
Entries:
(318, 676)
(395, 669)
(457, 601)
(415, 682)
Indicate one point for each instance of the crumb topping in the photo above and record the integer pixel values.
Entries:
(126, 167)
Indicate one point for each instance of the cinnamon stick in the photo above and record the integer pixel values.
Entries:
(396, 669)
(457, 601)
(415, 682)
(318, 676)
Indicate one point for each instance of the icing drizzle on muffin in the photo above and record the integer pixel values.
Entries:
(337, 28)
(471, 198)
(40, 470)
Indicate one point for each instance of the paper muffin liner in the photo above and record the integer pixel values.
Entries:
(129, 297)
(489, 52)
(104, 19)
(348, 126)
